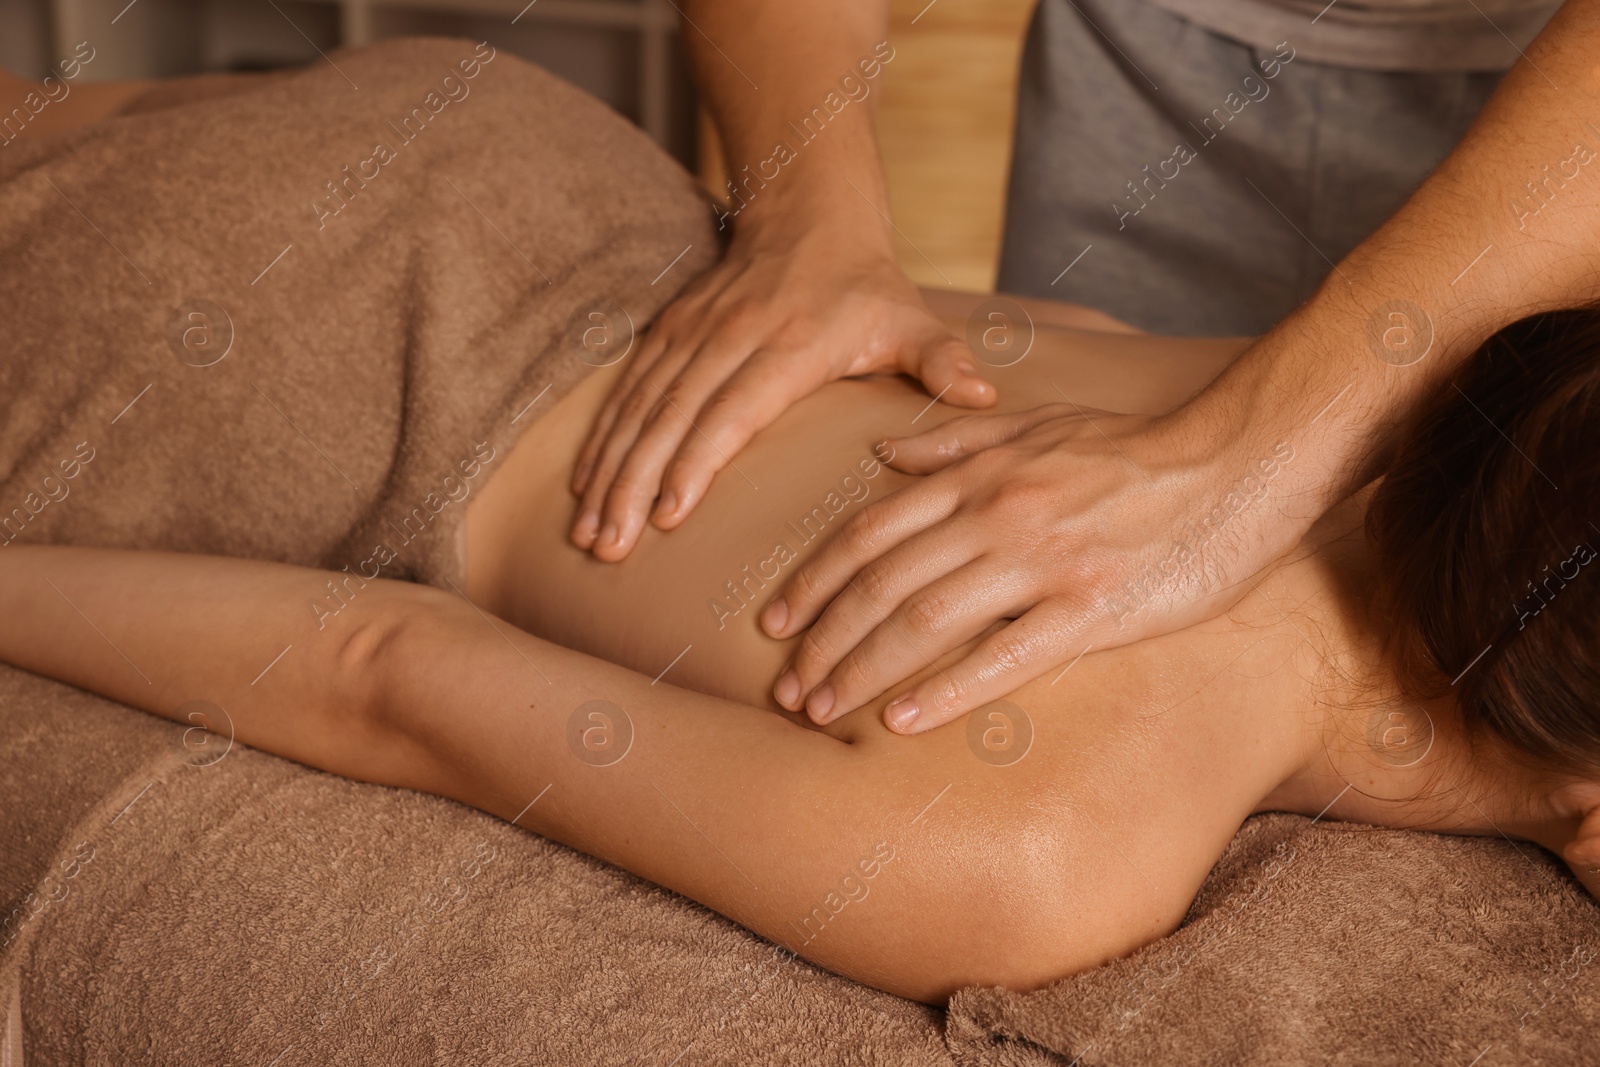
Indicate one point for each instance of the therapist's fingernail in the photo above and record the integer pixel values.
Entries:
(587, 523)
(966, 367)
(775, 616)
(667, 504)
(609, 535)
(902, 713)
(787, 691)
(820, 703)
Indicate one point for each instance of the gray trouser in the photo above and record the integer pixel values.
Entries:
(1275, 180)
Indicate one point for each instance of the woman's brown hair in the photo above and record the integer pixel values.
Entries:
(1485, 531)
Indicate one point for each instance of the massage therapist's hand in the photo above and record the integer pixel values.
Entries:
(794, 305)
(1060, 518)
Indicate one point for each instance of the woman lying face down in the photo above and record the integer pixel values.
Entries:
(1425, 658)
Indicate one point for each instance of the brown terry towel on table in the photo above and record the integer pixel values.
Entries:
(1317, 942)
(237, 327)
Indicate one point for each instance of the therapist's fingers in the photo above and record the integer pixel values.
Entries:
(675, 421)
(944, 366)
(678, 330)
(672, 332)
(606, 418)
(1009, 658)
(872, 532)
(749, 400)
(933, 619)
(957, 438)
(776, 377)
(864, 605)
(587, 529)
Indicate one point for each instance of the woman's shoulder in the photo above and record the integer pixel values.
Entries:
(1119, 780)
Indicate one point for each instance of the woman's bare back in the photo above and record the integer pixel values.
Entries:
(1118, 762)
(793, 486)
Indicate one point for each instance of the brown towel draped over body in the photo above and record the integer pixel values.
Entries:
(389, 247)
(394, 249)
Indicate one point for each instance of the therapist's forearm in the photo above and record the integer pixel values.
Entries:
(762, 67)
(1508, 225)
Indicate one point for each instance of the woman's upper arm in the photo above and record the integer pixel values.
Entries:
(906, 863)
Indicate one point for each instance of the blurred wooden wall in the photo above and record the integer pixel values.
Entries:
(945, 108)
(945, 103)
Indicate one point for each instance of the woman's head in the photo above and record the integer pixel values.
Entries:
(1487, 533)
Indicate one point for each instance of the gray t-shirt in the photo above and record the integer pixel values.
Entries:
(1394, 35)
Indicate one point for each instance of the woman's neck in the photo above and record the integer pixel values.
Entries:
(1368, 753)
